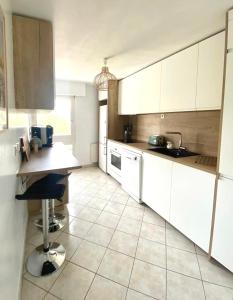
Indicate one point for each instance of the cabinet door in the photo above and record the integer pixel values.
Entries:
(46, 67)
(192, 196)
(178, 83)
(26, 61)
(222, 248)
(103, 124)
(156, 184)
(103, 157)
(149, 85)
(33, 63)
(210, 72)
(230, 30)
(129, 95)
(226, 162)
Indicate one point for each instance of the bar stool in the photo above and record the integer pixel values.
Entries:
(48, 257)
(56, 220)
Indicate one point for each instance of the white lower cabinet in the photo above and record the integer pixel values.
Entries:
(222, 248)
(192, 195)
(156, 183)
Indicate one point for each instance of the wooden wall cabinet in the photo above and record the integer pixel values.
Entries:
(33, 63)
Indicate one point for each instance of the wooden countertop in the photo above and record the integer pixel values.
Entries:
(56, 158)
(188, 161)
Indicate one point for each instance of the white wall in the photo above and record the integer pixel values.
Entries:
(86, 125)
(13, 217)
(13, 213)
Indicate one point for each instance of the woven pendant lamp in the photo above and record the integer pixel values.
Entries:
(101, 80)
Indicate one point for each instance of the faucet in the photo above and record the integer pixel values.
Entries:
(180, 134)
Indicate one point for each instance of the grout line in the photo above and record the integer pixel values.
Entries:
(200, 274)
(96, 273)
(135, 251)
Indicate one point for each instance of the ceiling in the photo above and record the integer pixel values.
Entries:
(134, 33)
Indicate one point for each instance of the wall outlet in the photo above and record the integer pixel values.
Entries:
(162, 116)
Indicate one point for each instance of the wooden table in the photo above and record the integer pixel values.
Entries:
(56, 159)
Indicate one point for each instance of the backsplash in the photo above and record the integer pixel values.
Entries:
(200, 129)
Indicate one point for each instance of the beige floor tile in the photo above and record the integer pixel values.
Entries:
(89, 256)
(31, 292)
(89, 214)
(153, 232)
(124, 243)
(100, 235)
(200, 251)
(129, 226)
(183, 262)
(73, 283)
(177, 240)
(119, 198)
(97, 203)
(78, 227)
(45, 282)
(104, 289)
(216, 292)
(152, 252)
(214, 273)
(74, 209)
(70, 243)
(103, 194)
(152, 217)
(117, 267)
(114, 208)
(133, 295)
(132, 202)
(133, 212)
(148, 279)
(50, 297)
(108, 219)
(180, 287)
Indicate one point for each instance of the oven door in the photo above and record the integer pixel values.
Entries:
(115, 161)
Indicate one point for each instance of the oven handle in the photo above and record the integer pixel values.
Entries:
(115, 153)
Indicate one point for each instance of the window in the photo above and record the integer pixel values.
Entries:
(59, 118)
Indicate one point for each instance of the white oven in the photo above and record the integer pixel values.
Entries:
(114, 160)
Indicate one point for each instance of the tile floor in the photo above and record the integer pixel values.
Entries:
(118, 249)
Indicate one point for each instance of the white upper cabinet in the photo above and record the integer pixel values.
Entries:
(178, 83)
(226, 162)
(210, 72)
(128, 95)
(149, 87)
(192, 198)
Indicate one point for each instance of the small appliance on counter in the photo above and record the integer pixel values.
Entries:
(44, 133)
(127, 137)
(157, 140)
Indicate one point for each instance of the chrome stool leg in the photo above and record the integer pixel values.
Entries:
(56, 220)
(48, 257)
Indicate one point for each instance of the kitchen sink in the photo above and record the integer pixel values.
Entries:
(174, 152)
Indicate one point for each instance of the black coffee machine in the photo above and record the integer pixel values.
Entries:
(127, 135)
(45, 133)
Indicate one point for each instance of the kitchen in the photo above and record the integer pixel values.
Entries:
(141, 206)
